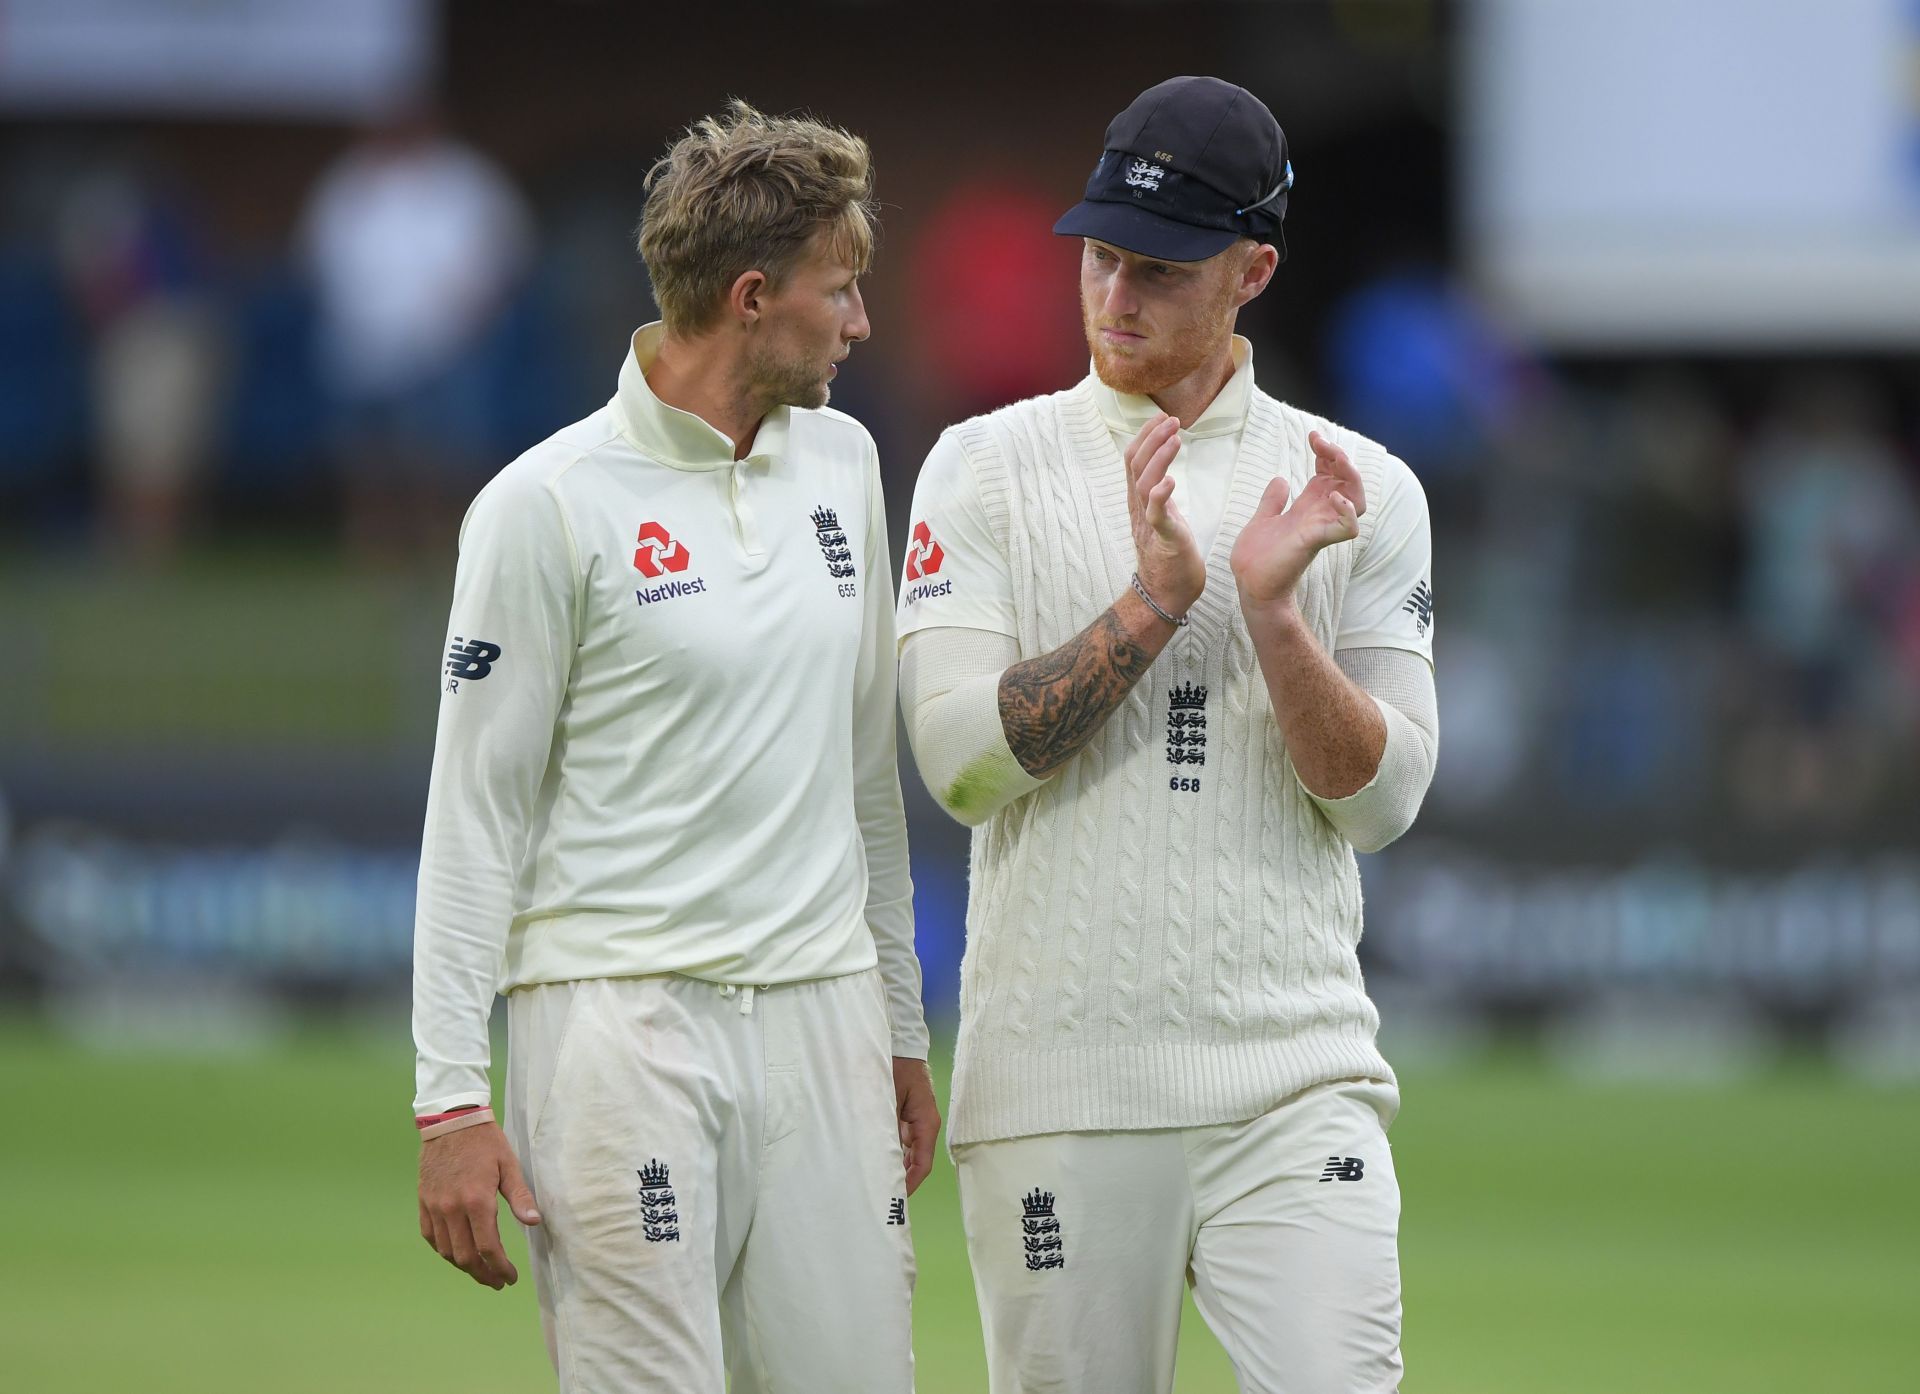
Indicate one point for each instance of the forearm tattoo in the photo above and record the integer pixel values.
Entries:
(1052, 705)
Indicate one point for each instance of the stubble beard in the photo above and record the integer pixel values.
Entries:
(786, 382)
(1173, 358)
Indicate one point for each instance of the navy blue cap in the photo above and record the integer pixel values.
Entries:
(1193, 165)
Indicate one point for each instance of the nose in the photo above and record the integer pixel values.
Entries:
(857, 328)
(1120, 298)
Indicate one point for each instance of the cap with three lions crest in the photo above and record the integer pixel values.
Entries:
(1191, 166)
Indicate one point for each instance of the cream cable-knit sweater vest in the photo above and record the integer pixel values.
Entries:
(1142, 953)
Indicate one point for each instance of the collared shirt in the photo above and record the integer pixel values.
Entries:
(666, 724)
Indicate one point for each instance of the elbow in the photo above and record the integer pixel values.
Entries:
(965, 816)
(1373, 818)
(1371, 835)
(976, 793)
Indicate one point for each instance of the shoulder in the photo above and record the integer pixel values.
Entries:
(986, 440)
(1023, 413)
(532, 491)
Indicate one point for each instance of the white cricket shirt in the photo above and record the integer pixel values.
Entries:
(1164, 933)
(666, 736)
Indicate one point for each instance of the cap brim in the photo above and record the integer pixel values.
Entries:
(1134, 229)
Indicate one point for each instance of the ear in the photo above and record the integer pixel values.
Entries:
(1255, 273)
(747, 295)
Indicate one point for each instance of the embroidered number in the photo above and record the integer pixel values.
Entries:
(1183, 784)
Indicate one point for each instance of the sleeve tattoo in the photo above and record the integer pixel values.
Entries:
(1052, 705)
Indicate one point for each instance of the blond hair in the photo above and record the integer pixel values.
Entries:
(746, 192)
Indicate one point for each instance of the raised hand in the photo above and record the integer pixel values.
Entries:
(1171, 567)
(1278, 542)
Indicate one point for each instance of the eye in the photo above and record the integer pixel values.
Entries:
(1102, 254)
(1160, 268)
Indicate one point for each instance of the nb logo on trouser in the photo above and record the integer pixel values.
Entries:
(1343, 1169)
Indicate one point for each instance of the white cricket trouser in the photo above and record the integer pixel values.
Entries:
(721, 1185)
(1286, 1226)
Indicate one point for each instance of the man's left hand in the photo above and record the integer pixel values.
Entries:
(919, 1117)
(1278, 542)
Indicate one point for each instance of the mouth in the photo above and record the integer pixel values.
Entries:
(1122, 336)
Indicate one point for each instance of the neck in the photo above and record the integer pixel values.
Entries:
(703, 375)
(1186, 399)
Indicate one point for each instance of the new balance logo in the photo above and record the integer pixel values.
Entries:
(897, 1211)
(1040, 1232)
(1343, 1169)
(659, 553)
(1420, 606)
(659, 1211)
(471, 659)
(923, 553)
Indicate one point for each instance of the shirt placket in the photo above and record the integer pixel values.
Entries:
(746, 527)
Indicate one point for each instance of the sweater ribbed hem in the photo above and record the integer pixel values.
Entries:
(1122, 1088)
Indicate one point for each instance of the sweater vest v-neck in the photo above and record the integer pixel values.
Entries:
(1165, 933)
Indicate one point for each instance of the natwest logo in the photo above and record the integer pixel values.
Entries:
(923, 553)
(658, 552)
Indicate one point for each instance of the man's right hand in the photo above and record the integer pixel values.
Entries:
(460, 1174)
(1171, 567)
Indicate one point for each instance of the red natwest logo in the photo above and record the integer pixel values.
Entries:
(658, 552)
(923, 553)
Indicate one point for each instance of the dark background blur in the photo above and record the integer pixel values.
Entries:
(282, 285)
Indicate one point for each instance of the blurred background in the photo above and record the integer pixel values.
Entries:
(1632, 285)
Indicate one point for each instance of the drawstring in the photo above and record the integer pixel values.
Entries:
(745, 995)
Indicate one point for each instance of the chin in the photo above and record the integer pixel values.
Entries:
(1126, 374)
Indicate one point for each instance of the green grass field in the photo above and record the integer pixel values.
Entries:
(247, 1224)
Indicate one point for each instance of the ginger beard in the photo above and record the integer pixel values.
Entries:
(1167, 356)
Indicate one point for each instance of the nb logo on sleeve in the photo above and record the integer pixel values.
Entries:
(471, 659)
(1420, 606)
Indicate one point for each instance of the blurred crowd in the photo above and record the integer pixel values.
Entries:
(378, 367)
(1686, 595)
(1670, 592)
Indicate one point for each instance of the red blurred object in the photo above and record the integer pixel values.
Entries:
(995, 297)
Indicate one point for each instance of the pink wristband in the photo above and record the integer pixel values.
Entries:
(440, 1124)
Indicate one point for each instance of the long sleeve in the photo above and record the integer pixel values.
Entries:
(876, 791)
(950, 692)
(510, 650)
(1400, 683)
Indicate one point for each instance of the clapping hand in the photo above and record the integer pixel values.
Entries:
(1278, 542)
(1171, 567)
